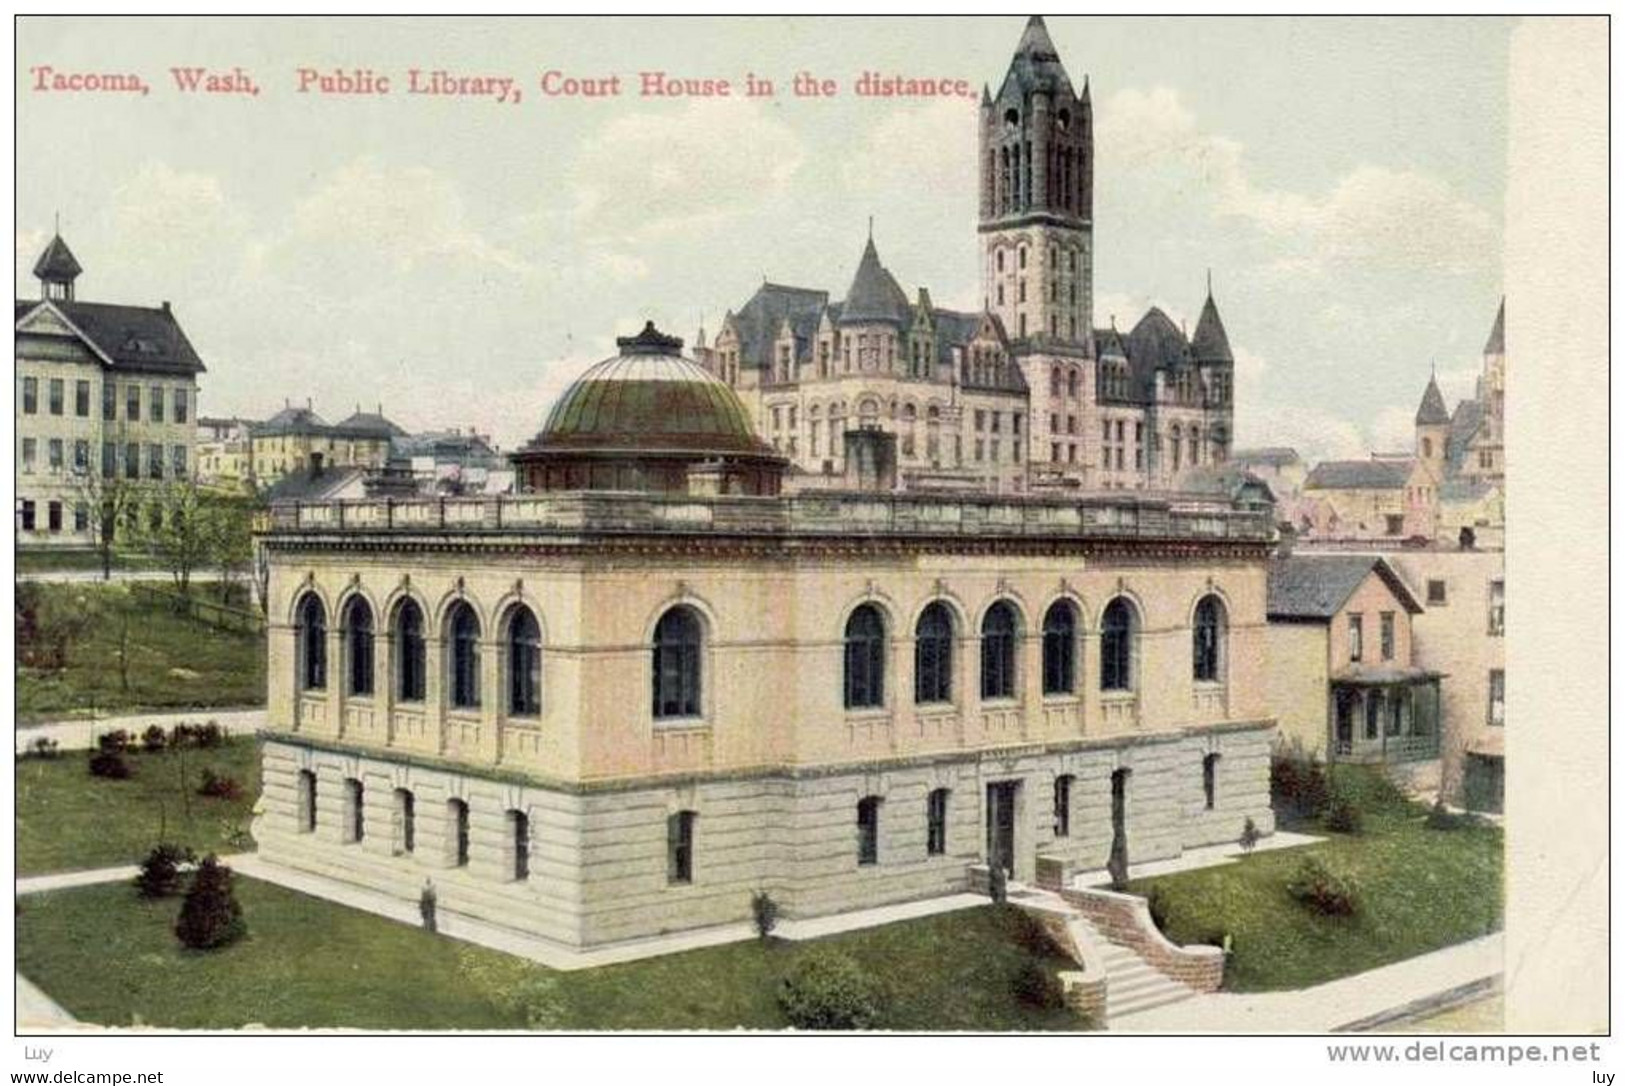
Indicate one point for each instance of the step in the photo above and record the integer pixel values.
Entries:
(1140, 985)
(1116, 1008)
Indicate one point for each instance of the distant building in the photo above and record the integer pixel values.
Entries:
(452, 462)
(223, 452)
(1370, 499)
(1281, 467)
(287, 442)
(106, 398)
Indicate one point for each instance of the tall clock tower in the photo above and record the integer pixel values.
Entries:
(1037, 198)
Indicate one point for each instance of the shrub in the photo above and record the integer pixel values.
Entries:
(209, 735)
(1249, 836)
(210, 916)
(765, 911)
(111, 765)
(1028, 933)
(1156, 903)
(43, 747)
(825, 989)
(1035, 986)
(1323, 890)
(113, 742)
(181, 735)
(154, 739)
(1298, 781)
(160, 874)
(998, 882)
(1343, 815)
(1441, 817)
(219, 786)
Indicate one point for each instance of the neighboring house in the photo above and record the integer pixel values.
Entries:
(1030, 390)
(106, 398)
(223, 452)
(1371, 499)
(453, 461)
(319, 482)
(1280, 467)
(288, 441)
(1344, 679)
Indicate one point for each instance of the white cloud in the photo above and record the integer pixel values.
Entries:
(30, 244)
(649, 175)
(932, 145)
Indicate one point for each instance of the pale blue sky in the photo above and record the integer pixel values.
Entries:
(462, 260)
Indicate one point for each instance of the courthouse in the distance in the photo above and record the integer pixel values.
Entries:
(663, 675)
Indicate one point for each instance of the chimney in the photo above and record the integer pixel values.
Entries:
(315, 464)
(166, 305)
(1287, 536)
(308, 406)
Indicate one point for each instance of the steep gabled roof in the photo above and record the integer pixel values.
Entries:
(1210, 344)
(758, 320)
(874, 295)
(1359, 475)
(306, 486)
(1432, 411)
(1316, 586)
(1463, 425)
(1273, 455)
(129, 336)
(1497, 343)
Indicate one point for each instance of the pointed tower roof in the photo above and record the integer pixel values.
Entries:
(1210, 344)
(1497, 343)
(1432, 411)
(57, 264)
(874, 295)
(1036, 64)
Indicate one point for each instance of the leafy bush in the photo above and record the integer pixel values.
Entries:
(113, 742)
(765, 911)
(209, 735)
(154, 739)
(1343, 814)
(1035, 986)
(219, 786)
(181, 735)
(43, 747)
(825, 989)
(160, 874)
(1298, 781)
(1322, 889)
(1029, 934)
(111, 765)
(210, 916)
(1249, 836)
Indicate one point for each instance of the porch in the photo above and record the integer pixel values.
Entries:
(1385, 715)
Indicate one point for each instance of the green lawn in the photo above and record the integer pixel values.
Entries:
(1420, 889)
(175, 662)
(45, 560)
(67, 819)
(110, 958)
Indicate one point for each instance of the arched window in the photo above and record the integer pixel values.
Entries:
(933, 655)
(1055, 381)
(1060, 649)
(1117, 632)
(312, 635)
(409, 652)
(1207, 641)
(999, 651)
(464, 626)
(358, 641)
(865, 658)
(1072, 383)
(524, 664)
(1173, 445)
(677, 664)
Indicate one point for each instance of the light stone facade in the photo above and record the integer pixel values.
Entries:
(772, 765)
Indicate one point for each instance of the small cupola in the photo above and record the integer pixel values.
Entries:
(56, 269)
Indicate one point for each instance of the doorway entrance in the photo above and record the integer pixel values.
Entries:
(1001, 825)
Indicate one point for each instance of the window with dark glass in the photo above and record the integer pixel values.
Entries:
(1210, 780)
(30, 395)
(1117, 646)
(936, 822)
(458, 810)
(53, 513)
(1386, 634)
(680, 847)
(307, 801)
(132, 403)
(81, 457)
(677, 646)
(1063, 805)
(865, 677)
(358, 634)
(57, 394)
(465, 657)
(1207, 635)
(409, 673)
(81, 399)
(933, 655)
(109, 401)
(1373, 714)
(519, 842)
(28, 515)
(869, 830)
(81, 517)
(132, 461)
(155, 403)
(524, 664)
(355, 823)
(405, 820)
(180, 405)
(312, 631)
(999, 651)
(1060, 649)
(1356, 637)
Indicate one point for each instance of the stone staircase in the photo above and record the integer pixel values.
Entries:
(1132, 983)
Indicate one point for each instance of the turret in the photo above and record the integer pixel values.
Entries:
(1432, 428)
(56, 269)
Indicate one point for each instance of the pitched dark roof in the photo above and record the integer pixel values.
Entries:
(57, 264)
(1210, 344)
(291, 420)
(1315, 586)
(874, 295)
(368, 422)
(1497, 343)
(1273, 455)
(1464, 490)
(1036, 64)
(133, 336)
(1358, 475)
(311, 486)
(758, 319)
(1463, 425)
(1432, 410)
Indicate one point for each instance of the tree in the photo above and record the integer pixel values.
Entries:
(232, 518)
(210, 916)
(189, 528)
(112, 500)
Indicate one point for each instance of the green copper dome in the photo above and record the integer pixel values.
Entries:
(648, 398)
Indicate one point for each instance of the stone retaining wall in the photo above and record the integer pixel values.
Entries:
(1126, 921)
